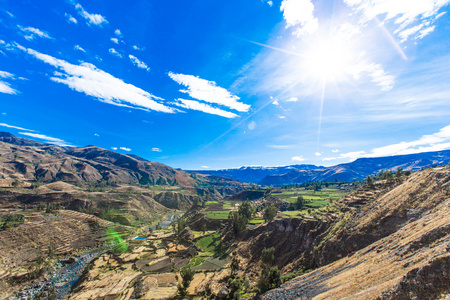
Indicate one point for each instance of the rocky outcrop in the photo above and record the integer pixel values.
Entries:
(175, 200)
(291, 239)
(427, 282)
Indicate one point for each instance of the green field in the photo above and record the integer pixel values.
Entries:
(318, 203)
(218, 214)
(209, 243)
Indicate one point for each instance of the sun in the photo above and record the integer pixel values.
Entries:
(329, 59)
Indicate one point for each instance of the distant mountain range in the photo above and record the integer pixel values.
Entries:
(356, 170)
(28, 160)
(256, 173)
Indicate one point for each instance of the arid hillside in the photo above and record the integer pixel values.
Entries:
(389, 243)
(23, 161)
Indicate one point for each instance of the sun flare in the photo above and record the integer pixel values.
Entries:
(329, 59)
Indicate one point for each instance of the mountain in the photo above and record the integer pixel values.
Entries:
(24, 160)
(359, 169)
(255, 173)
(356, 170)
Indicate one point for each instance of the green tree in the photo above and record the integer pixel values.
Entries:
(181, 225)
(270, 278)
(235, 262)
(238, 220)
(195, 202)
(270, 212)
(187, 275)
(398, 174)
(299, 203)
(389, 175)
(246, 210)
(236, 285)
(268, 256)
(369, 180)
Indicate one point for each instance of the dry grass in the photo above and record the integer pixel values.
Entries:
(379, 266)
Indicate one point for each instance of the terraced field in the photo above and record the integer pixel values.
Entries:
(316, 202)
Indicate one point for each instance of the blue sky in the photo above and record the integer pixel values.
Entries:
(214, 84)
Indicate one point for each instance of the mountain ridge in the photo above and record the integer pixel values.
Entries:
(352, 171)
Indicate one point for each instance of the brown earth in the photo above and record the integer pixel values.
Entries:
(394, 245)
(61, 232)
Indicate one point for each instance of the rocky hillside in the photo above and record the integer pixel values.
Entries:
(391, 241)
(24, 161)
(40, 237)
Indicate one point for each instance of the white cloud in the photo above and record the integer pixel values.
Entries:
(138, 48)
(96, 134)
(298, 158)
(4, 86)
(427, 143)
(424, 32)
(300, 14)
(281, 117)
(270, 3)
(6, 89)
(155, 149)
(46, 138)
(251, 125)
(94, 19)
(292, 99)
(205, 167)
(15, 127)
(335, 150)
(138, 63)
(375, 71)
(114, 52)
(281, 146)
(78, 47)
(4, 74)
(412, 18)
(276, 102)
(433, 142)
(329, 158)
(70, 18)
(208, 91)
(125, 149)
(115, 40)
(30, 33)
(114, 148)
(88, 79)
(118, 33)
(195, 105)
(317, 154)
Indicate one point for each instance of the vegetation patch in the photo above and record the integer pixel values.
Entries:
(196, 261)
(212, 263)
(10, 220)
(210, 242)
(218, 214)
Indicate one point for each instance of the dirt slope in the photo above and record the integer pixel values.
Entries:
(394, 247)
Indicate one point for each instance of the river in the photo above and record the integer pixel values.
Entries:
(68, 271)
(170, 218)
